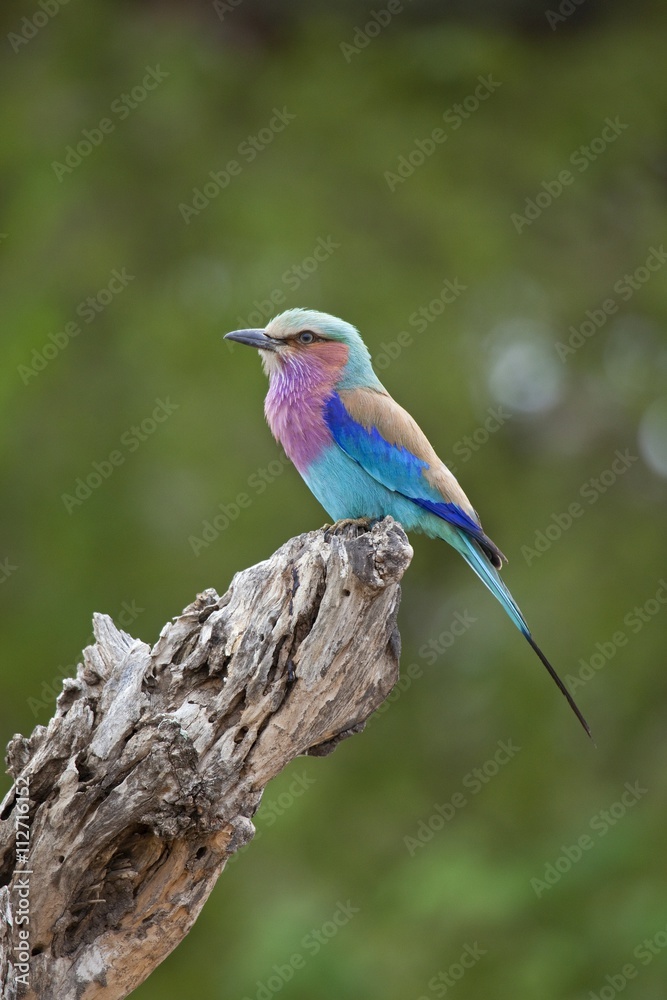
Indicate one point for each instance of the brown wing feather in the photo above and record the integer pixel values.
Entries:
(372, 408)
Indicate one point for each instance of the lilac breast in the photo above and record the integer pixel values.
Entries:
(293, 409)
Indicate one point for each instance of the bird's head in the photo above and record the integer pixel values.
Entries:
(302, 340)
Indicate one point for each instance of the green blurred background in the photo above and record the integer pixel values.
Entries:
(543, 424)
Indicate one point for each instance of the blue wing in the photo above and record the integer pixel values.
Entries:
(395, 466)
(398, 468)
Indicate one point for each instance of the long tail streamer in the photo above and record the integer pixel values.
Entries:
(491, 579)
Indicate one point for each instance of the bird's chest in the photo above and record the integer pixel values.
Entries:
(296, 418)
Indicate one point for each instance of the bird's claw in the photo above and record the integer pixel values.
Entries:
(364, 523)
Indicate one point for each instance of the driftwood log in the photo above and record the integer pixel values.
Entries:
(126, 807)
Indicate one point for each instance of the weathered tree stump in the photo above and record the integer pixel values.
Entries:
(126, 807)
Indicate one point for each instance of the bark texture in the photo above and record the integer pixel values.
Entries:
(126, 807)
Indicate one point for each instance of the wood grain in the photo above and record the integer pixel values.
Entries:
(146, 779)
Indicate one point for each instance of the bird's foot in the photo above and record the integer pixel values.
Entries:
(363, 523)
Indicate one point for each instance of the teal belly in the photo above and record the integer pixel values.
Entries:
(346, 490)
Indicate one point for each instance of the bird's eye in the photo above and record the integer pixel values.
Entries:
(306, 337)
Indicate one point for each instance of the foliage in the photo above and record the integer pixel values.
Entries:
(333, 831)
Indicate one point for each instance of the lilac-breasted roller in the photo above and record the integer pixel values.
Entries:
(361, 454)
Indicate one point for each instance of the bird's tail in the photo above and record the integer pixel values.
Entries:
(489, 576)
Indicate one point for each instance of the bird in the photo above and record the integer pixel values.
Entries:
(361, 454)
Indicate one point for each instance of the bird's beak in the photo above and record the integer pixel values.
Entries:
(254, 338)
